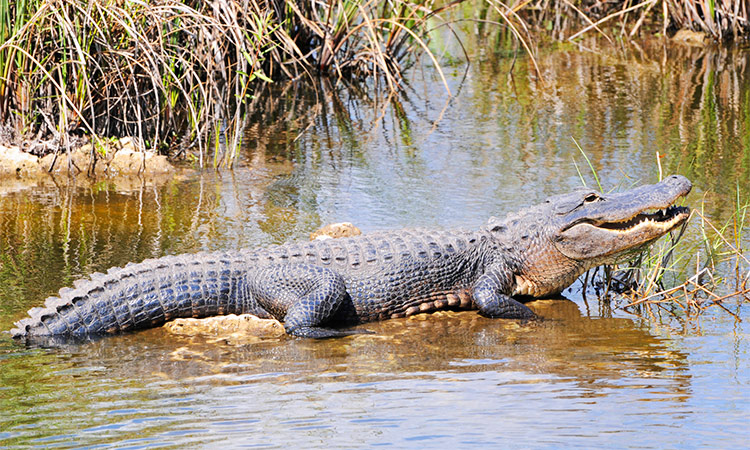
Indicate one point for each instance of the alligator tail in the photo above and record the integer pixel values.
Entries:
(143, 295)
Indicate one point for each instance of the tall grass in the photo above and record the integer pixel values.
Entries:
(683, 279)
(719, 18)
(178, 74)
(129, 68)
(351, 38)
(718, 271)
(569, 19)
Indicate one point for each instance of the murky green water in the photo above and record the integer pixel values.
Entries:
(588, 376)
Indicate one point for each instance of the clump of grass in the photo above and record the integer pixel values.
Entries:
(166, 73)
(352, 39)
(651, 281)
(721, 19)
(721, 271)
(179, 74)
(568, 20)
(650, 284)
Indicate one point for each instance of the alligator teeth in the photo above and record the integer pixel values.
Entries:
(663, 218)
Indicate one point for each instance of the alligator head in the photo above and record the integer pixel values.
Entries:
(571, 233)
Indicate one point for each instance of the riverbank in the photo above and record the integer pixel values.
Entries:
(119, 163)
(117, 157)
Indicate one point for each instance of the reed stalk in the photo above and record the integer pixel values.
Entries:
(721, 271)
(683, 280)
(128, 68)
(178, 75)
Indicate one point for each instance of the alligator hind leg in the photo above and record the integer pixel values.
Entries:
(305, 297)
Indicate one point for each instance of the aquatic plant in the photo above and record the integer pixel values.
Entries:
(166, 73)
(178, 74)
(721, 19)
(568, 20)
(721, 270)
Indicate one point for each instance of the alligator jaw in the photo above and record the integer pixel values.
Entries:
(595, 241)
(663, 220)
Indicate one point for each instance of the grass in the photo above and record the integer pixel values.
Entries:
(682, 280)
(178, 75)
(165, 73)
(623, 20)
(721, 270)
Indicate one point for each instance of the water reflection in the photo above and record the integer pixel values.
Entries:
(621, 107)
(52, 235)
(564, 361)
(338, 154)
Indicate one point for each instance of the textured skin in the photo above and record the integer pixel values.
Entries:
(316, 287)
(336, 281)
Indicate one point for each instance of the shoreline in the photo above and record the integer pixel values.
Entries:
(120, 162)
(119, 157)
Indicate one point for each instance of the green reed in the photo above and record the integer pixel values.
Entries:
(165, 73)
(679, 278)
(719, 270)
(177, 75)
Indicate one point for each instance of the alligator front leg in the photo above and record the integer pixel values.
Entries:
(489, 296)
(305, 297)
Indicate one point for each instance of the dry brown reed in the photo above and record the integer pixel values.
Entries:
(721, 19)
(162, 72)
(568, 20)
(178, 74)
(720, 273)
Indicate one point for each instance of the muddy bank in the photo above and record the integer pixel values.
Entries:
(120, 163)
(111, 159)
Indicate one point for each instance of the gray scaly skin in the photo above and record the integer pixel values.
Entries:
(317, 287)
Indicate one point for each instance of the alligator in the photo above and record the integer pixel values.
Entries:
(320, 289)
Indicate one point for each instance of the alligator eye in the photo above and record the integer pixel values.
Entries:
(591, 198)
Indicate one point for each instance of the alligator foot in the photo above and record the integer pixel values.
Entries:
(508, 308)
(492, 303)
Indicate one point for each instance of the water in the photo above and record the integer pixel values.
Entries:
(589, 375)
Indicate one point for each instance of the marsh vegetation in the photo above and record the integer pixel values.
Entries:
(682, 280)
(178, 76)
